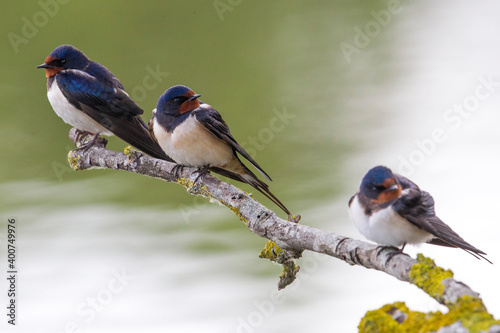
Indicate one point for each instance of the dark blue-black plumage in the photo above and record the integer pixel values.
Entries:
(194, 134)
(392, 210)
(86, 95)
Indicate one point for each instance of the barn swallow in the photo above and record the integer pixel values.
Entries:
(391, 210)
(195, 135)
(86, 95)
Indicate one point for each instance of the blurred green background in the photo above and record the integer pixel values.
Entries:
(253, 61)
(362, 82)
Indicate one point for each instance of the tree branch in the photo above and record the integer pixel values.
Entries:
(290, 236)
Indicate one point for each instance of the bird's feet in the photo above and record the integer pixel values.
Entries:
(177, 170)
(81, 134)
(392, 253)
(202, 172)
(81, 142)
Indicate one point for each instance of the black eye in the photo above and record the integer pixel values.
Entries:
(177, 99)
(58, 62)
(378, 188)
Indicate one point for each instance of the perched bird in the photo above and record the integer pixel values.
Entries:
(194, 134)
(391, 210)
(88, 96)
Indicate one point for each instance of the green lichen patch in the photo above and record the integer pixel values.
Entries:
(380, 320)
(73, 161)
(237, 212)
(271, 251)
(428, 277)
(203, 190)
(190, 186)
(289, 274)
(185, 182)
(128, 150)
(290, 269)
(397, 318)
(472, 313)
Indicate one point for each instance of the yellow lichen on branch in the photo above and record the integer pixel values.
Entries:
(397, 318)
(465, 308)
(429, 277)
(394, 318)
(290, 269)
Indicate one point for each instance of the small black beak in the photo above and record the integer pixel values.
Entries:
(194, 97)
(43, 66)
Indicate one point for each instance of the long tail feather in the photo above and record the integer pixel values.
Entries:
(469, 249)
(252, 180)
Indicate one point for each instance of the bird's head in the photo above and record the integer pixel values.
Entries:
(64, 57)
(380, 185)
(178, 100)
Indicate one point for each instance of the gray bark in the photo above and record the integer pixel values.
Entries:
(288, 235)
